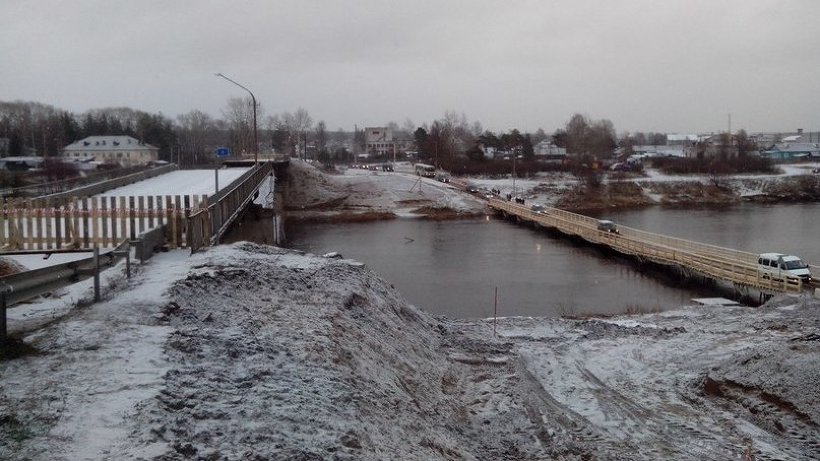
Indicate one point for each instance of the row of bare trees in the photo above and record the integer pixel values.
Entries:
(32, 128)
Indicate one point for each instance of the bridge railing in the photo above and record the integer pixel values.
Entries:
(206, 226)
(70, 185)
(724, 263)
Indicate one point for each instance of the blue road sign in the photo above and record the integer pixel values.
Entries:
(222, 152)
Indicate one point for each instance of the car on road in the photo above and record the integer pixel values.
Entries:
(777, 266)
(443, 177)
(538, 208)
(606, 225)
(387, 167)
(471, 187)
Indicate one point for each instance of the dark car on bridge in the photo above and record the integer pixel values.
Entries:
(607, 226)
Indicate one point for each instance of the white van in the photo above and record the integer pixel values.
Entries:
(775, 266)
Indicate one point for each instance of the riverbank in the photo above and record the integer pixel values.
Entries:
(355, 195)
(248, 351)
(363, 195)
(694, 192)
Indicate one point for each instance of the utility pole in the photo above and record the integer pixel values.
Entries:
(513, 174)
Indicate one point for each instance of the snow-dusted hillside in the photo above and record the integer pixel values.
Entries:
(256, 352)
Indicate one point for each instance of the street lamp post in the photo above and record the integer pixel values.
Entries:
(253, 98)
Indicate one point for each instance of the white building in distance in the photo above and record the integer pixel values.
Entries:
(379, 141)
(123, 150)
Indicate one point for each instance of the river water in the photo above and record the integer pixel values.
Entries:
(453, 267)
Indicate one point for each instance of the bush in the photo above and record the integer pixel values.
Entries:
(749, 164)
(497, 168)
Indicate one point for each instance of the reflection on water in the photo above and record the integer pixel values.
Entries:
(790, 229)
(453, 267)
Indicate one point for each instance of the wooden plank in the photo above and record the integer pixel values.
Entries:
(97, 217)
(187, 207)
(178, 220)
(106, 221)
(17, 227)
(49, 224)
(29, 213)
(160, 204)
(123, 212)
(58, 226)
(112, 218)
(132, 218)
(38, 216)
(3, 223)
(86, 222)
(170, 222)
(151, 211)
(142, 215)
(68, 223)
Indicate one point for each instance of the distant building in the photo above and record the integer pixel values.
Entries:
(21, 163)
(379, 142)
(659, 151)
(546, 150)
(681, 139)
(123, 150)
(793, 151)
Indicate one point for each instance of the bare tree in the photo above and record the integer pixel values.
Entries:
(297, 123)
(408, 127)
(586, 137)
(239, 115)
(193, 131)
(321, 136)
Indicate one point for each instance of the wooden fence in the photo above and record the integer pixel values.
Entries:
(87, 222)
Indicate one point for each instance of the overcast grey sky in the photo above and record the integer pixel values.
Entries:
(647, 65)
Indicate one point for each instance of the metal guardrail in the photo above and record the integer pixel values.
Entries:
(727, 264)
(22, 286)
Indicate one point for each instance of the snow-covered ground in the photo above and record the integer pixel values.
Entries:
(247, 351)
(180, 182)
(255, 352)
(356, 191)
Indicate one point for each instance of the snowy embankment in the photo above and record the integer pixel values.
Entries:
(255, 352)
(357, 194)
(248, 351)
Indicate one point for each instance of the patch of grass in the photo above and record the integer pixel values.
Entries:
(637, 309)
(565, 310)
(15, 348)
(13, 429)
(343, 217)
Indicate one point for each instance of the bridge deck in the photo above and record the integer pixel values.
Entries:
(734, 266)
